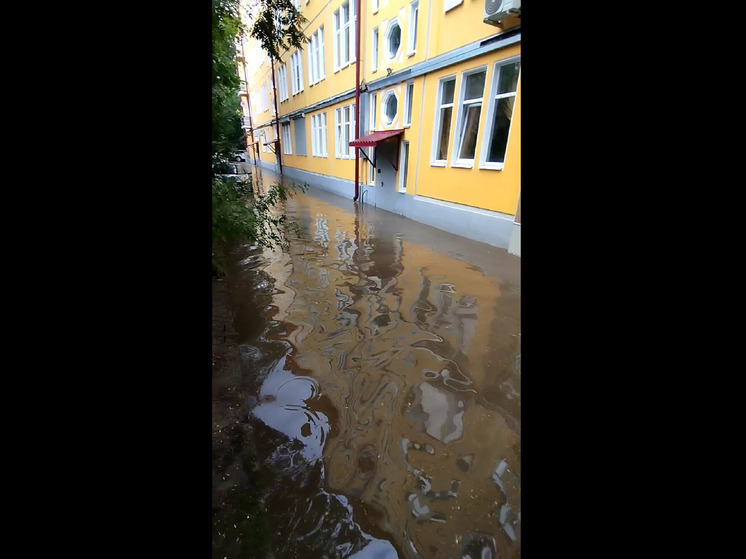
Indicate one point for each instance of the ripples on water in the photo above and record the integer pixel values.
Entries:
(390, 416)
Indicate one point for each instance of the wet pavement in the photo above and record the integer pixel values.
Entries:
(378, 394)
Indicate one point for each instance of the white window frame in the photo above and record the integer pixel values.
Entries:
(344, 130)
(323, 134)
(316, 70)
(386, 54)
(403, 168)
(489, 117)
(373, 110)
(282, 78)
(450, 4)
(296, 71)
(318, 135)
(408, 100)
(371, 168)
(314, 140)
(375, 7)
(265, 99)
(344, 27)
(439, 105)
(287, 146)
(374, 51)
(414, 8)
(456, 161)
(385, 100)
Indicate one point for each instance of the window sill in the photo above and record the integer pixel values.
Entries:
(407, 125)
(449, 8)
(492, 166)
(437, 164)
(412, 53)
(463, 165)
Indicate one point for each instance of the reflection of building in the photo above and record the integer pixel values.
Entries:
(439, 111)
(423, 446)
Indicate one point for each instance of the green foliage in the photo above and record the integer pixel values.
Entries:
(278, 26)
(227, 135)
(239, 215)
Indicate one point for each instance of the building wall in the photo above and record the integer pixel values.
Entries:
(448, 43)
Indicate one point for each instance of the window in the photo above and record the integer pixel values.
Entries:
(286, 141)
(393, 39)
(296, 72)
(390, 107)
(371, 169)
(344, 35)
(344, 120)
(403, 166)
(443, 116)
(318, 135)
(265, 100)
(373, 102)
(467, 120)
(449, 4)
(408, 104)
(374, 51)
(300, 136)
(414, 9)
(375, 6)
(316, 57)
(282, 79)
(499, 114)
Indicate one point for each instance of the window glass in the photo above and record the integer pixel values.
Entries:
(410, 94)
(448, 88)
(392, 105)
(445, 131)
(475, 85)
(500, 129)
(394, 38)
(471, 127)
(508, 78)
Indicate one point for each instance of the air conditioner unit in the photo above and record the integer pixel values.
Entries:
(495, 11)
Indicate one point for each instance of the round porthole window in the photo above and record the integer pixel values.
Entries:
(390, 107)
(393, 39)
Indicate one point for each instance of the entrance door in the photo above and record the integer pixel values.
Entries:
(384, 194)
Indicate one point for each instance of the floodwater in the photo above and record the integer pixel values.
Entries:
(384, 363)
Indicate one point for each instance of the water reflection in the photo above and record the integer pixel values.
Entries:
(399, 399)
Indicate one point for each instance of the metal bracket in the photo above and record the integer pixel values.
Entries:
(271, 145)
(368, 158)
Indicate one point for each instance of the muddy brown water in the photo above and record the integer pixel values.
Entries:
(381, 360)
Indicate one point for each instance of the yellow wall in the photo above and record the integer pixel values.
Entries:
(482, 188)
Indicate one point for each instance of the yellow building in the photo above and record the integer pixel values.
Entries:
(439, 114)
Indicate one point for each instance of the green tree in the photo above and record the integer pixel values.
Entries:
(237, 213)
(277, 25)
(227, 135)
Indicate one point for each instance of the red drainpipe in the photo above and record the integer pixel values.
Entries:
(357, 94)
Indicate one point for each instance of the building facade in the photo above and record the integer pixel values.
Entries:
(439, 117)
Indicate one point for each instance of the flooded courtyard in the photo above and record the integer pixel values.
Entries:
(377, 393)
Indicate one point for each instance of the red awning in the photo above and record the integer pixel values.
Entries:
(372, 140)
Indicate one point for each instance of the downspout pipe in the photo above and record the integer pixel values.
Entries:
(358, 17)
(278, 149)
